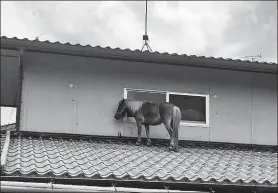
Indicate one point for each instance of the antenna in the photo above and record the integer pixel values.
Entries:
(37, 38)
(146, 37)
(253, 57)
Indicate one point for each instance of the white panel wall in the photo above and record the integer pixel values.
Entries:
(264, 110)
(48, 101)
(49, 105)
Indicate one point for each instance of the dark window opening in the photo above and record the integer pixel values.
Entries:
(193, 108)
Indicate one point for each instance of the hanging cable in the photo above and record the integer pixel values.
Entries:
(145, 36)
(146, 21)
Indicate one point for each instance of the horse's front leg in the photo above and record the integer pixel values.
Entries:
(139, 126)
(147, 127)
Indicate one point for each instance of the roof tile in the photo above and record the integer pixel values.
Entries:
(31, 156)
(3, 138)
(8, 127)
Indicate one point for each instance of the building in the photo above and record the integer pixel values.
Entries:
(66, 97)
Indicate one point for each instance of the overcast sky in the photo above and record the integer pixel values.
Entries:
(221, 29)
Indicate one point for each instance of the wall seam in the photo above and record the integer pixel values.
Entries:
(76, 103)
(209, 138)
(252, 122)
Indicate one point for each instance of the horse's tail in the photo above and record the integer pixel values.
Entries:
(175, 126)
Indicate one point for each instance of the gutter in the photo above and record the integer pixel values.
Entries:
(8, 186)
(19, 92)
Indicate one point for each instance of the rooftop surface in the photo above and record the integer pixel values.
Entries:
(8, 127)
(46, 156)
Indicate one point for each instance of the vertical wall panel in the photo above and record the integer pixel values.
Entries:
(48, 100)
(264, 105)
(230, 113)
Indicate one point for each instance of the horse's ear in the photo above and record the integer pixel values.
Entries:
(124, 100)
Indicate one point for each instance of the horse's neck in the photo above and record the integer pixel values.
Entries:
(134, 106)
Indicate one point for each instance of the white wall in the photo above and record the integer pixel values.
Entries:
(243, 112)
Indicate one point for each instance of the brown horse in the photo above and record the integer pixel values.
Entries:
(149, 113)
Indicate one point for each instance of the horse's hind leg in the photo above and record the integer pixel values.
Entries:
(147, 127)
(169, 129)
(139, 126)
(167, 125)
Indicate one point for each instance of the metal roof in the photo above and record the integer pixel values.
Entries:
(137, 55)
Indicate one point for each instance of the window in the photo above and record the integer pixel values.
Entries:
(142, 95)
(148, 95)
(194, 107)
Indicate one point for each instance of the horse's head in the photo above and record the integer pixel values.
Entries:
(121, 111)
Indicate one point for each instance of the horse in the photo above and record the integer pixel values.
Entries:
(149, 113)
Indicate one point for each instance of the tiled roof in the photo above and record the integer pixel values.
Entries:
(102, 159)
(3, 138)
(118, 50)
(4, 128)
(7, 127)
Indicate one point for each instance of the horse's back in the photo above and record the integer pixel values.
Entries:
(162, 109)
(151, 106)
(166, 110)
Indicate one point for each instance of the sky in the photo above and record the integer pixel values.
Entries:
(228, 29)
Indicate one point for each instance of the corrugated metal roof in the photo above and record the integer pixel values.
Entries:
(101, 159)
(182, 59)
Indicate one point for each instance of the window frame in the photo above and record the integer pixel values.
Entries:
(167, 93)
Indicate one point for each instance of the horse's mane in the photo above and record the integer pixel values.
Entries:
(134, 105)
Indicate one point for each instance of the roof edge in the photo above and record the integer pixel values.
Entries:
(136, 55)
(183, 186)
(31, 186)
(9, 124)
(8, 127)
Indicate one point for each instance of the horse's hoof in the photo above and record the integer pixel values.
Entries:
(148, 144)
(171, 149)
(137, 143)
